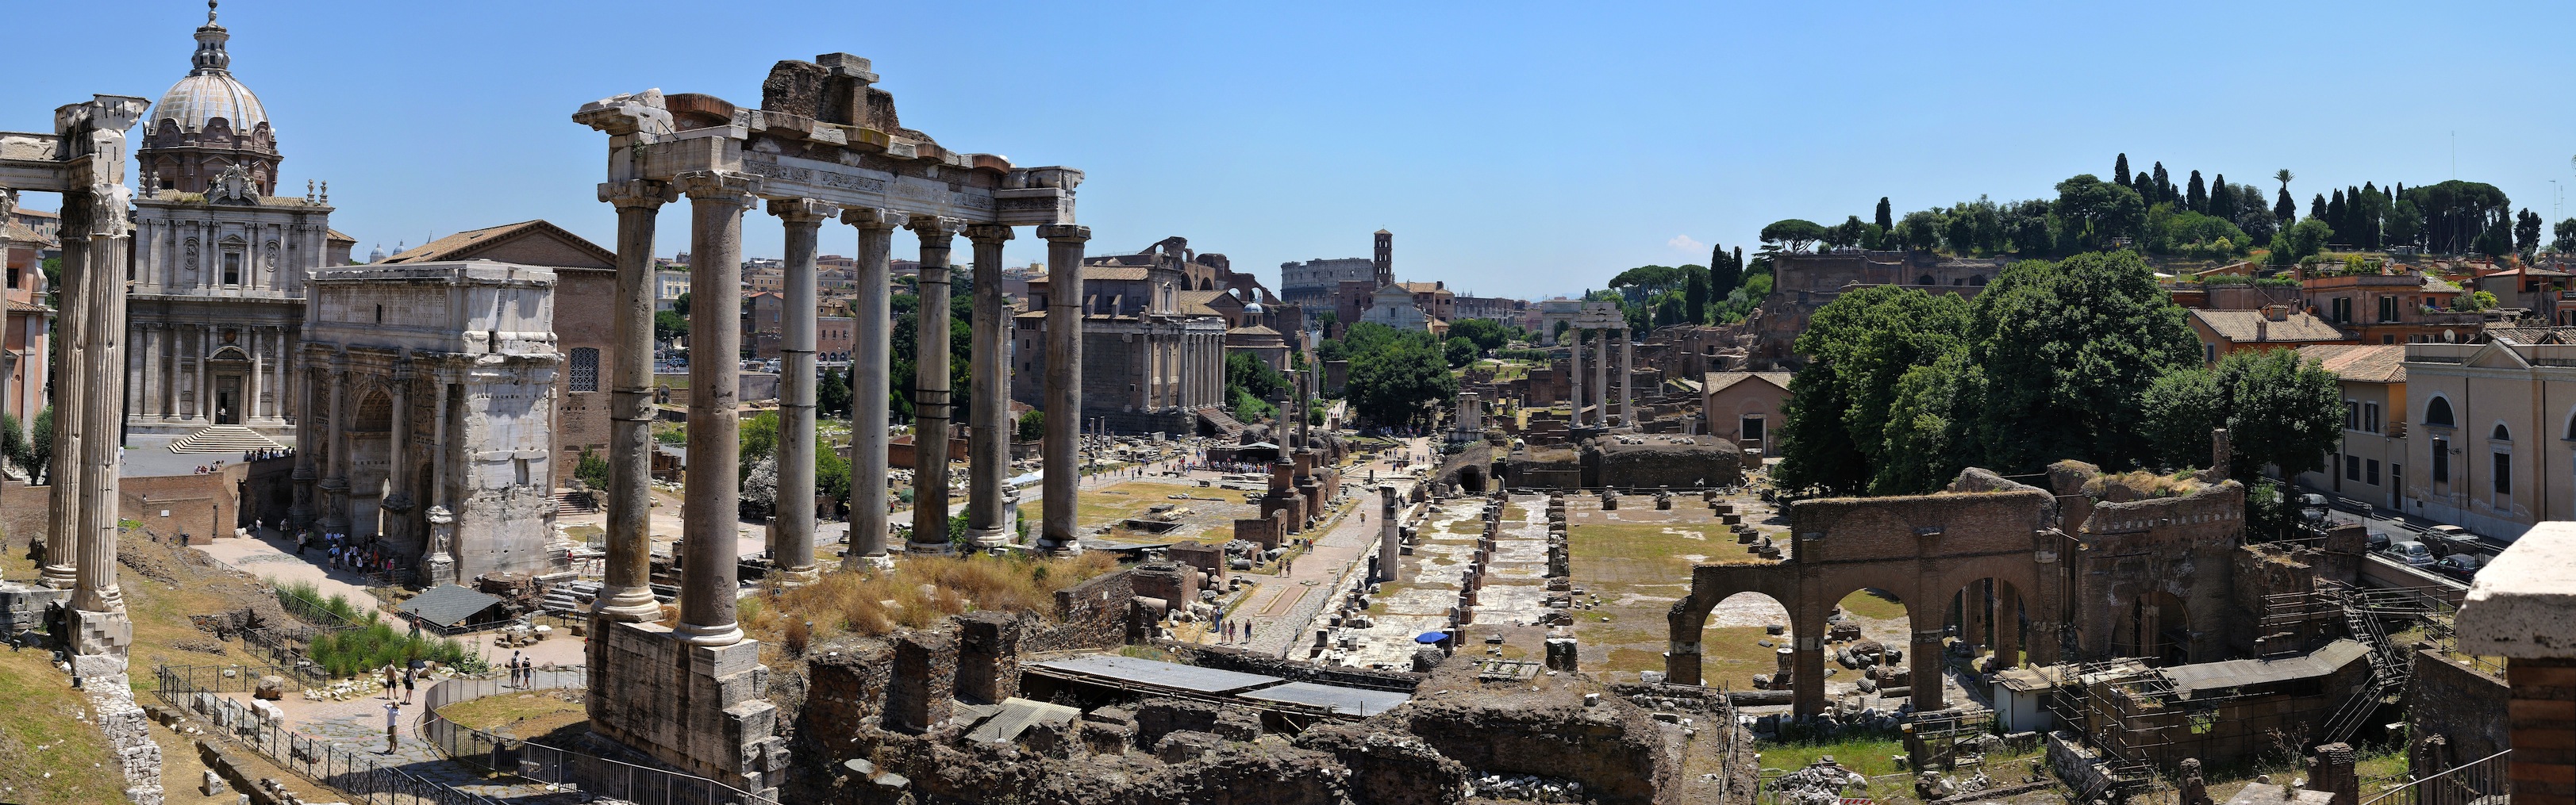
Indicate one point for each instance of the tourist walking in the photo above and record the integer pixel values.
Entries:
(410, 677)
(514, 669)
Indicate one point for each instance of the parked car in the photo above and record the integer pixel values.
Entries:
(2411, 553)
(2378, 541)
(2450, 539)
(2462, 566)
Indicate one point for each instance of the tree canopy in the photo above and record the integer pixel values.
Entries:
(1793, 234)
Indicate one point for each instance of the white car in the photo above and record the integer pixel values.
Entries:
(2413, 554)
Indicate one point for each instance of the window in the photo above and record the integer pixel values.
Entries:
(232, 268)
(2370, 472)
(2503, 473)
(2351, 415)
(2441, 461)
(380, 314)
(2388, 308)
(2208, 352)
(2342, 310)
(2438, 412)
(585, 369)
(2500, 434)
(2352, 468)
(2370, 417)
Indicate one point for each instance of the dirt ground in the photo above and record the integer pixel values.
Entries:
(1211, 519)
(1633, 564)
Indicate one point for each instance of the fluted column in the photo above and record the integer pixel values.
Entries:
(930, 388)
(300, 515)
(988, 452)
(399, 503)
(627, 592)
(709, 576)
(1063, 448)
(94, 209)
(870, 363)
(791, 531)
(1601, 379)
(70, 373)
(335, 483)
(1627, 378)
(1574, 373)
(439, 566)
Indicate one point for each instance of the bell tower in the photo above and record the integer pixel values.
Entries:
(1384, 258)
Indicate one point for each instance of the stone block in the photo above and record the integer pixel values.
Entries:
(1108, 738)
(1187, 745)
(921, 694)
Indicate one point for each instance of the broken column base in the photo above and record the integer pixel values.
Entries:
(101, 635)
(988, 538)
(669, 699)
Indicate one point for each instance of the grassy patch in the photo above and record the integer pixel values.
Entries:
(519, 715)
(875, 603)
(46, 753)
(376, 645)
(1639, 570)
(1874, 605)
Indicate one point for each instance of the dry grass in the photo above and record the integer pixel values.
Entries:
(851, 602)
(2145, 484)
(524, 715)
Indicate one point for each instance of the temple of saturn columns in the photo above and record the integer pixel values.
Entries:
(823, 145)
(1600, 331)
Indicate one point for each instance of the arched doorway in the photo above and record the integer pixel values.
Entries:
(1987, 618)
(1739, 649)
(1471, 479)
(2158, 628)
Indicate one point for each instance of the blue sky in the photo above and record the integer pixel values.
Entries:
(1521, 150)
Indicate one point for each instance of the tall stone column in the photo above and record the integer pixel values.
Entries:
(439, 566)
(709, 576)
(399, 503)
(1390, 536)
(1924, 657)
(988, 423)
(70, 373)
(930, 388)
(791, 532)
(1627, 378)
(627, 591)
(307, 433)
(1063, 448)
(94, 209)
(1601, 379)
(1574, 373)
(870, 362)
(258, 367)
(335, 483)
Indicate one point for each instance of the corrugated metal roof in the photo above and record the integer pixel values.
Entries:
(1339, 699)
(1160, 674)
(447, 604)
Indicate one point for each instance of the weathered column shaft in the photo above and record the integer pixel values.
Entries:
(398, 475)
(1390, 536)
(988, 424)
(627, 592)
(335, 483)
(1627, 379)
(930, 388)
(307, 433)
(1924, 657)
(1574, 373)
(791, 530)
(1063, 446)
(63, 504)
(1601, 380)
(94, 209)
(870, 362)
(709, 576)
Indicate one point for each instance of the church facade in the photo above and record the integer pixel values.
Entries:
(221, 262)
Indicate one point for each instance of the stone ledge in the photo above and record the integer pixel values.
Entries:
(2524, 604)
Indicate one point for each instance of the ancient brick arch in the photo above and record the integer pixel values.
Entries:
(1919, 548)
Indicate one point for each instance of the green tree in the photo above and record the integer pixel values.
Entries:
(40, 447)
(2069, 350)
(1251, 375)
(2285, 209)
(2458, 214)
(2300, 240)
(2182, 407)
(1861, 346)
(759, 436)
(2282, 411)
(1926, 440)
(1694, 300)
(2091, 212)
(669, 326)
(2563, 236)
(2526, 233)
(1725, 272)
(1459, 351)
(681, 305)
(13, 443)
(1885, 216)
(1396, 384)
(1793, 234)
(592, 469)
(2120, 170)
(1920, 231)
(1032, 426)
(832, 397)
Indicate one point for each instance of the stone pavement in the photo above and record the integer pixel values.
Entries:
(364, 734)
(271, 555)
(1282, 608)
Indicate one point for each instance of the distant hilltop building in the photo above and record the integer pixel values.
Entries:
(1379, 299)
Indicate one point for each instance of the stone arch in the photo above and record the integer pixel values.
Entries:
(1471, 479)
(2437, 411)
(1986, 613)
(1711, 584)
(2148, 629)
(1767, 664)
(374, 413)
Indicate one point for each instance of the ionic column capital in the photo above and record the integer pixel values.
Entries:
(720, 187)
(988, 233)
(811, 212)
(1064, 233)
(638, 193)
(875, 218)
(936, 227)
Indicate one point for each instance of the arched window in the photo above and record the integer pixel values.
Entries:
(2438, 412)
(1926, 280)
(585, 369)
(2501, 434)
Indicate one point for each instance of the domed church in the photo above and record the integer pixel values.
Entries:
(220, 263)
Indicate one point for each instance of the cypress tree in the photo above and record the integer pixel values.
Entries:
(2338, 214)
(2317, 209)
(2164, 186)
(1695, 298)
(2198, 198)
(2222, 199)
(1886, 216)
(2285, 209)
(1723, 273)
(2120, 170)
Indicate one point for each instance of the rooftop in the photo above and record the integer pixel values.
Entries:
(2256, 325)
(2367, 363)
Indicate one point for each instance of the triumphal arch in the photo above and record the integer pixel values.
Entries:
(824, 145)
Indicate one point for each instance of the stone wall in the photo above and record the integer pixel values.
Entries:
(2149, 542)
(583, 298)
(925, 681)
(1615, 750)
(1253, 662)
(201, 505)
(2454, 714)
(988, 656)
(703, 710)
(1090, 615)
(1706, 462)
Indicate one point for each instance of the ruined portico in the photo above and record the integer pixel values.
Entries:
(1599, 328)
(823, 142)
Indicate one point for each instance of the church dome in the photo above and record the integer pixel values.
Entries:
(209, 91)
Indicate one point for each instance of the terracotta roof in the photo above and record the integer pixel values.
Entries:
(19, 233)
(1116, 272)
(464, 245)
(2241, 326)
(2367, 363)
(1422, 287)
(1254, 330)
(1195, 303)
(340, 236)
(1721, 381)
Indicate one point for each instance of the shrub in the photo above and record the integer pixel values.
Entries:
(350, 652)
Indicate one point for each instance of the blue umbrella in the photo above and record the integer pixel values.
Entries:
(1430, 637)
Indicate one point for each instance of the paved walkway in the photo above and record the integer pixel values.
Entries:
(364, 734)
(1281, 607)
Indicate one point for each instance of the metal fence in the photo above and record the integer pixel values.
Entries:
(2485, 780)
(628, 782)
(194, 689)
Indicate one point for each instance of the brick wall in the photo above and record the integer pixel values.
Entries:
(1091, 615)
(583, 298)
(2454, 714)
(201, 506)
(924, 688)
(2541, 713)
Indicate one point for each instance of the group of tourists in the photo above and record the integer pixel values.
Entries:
(344, 553)
(523, 671)
(262, 455)
(1237, 631)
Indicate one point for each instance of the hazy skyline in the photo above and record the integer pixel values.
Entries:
(1514, 150)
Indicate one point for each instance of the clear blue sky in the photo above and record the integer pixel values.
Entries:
(1521, 150)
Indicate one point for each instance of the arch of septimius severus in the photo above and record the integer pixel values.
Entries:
(824, 145)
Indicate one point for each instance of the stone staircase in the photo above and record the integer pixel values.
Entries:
(233, 439)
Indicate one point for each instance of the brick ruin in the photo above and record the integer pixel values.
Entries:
(1626, 461)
